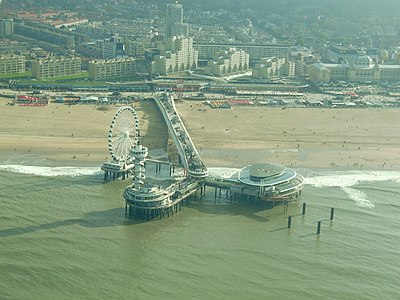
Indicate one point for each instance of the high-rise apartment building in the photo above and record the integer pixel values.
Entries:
(178, 55)
(228, 62)
(56, 67)
(174, 24)
(6, 27)
(270, 67)
(256, 52)
(112, 68)
(110, 47)
(135, 48)
(12, 64)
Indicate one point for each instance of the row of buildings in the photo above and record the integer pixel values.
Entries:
(122, 57)
(178, 54)
(357, 67)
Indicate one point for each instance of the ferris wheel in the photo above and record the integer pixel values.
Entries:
(123, 134)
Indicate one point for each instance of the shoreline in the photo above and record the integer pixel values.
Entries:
(297, 137)
(309, 138)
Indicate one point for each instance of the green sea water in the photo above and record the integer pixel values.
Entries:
(64, 235)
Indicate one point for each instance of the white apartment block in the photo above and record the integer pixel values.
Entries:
(12, 64)
(56, 67)
(270, 67)
(112, 68)
(6, 27)
(256, 52)
(177, 56)
(228, 62)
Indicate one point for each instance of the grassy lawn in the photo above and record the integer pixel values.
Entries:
(82, 76)
(69, 80)
(16, 76)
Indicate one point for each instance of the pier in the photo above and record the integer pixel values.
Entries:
(258, 183)
(114, 171)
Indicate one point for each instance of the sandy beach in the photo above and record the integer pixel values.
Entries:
(58, 134)
(298, 137)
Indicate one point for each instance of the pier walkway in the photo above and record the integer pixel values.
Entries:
(188, 154)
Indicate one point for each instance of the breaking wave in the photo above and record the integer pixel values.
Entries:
(51, 171)
(347, 180)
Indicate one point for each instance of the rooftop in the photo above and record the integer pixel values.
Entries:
(265, 174)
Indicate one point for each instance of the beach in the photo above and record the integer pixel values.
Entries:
(298, 137)
(59, 134)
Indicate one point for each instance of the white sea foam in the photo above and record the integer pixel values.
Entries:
(347, 181)
(359, 197)
(222, 172)
(351, 178)
(51, 171)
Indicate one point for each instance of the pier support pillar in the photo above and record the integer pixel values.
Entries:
(289, 221)
(332, 213)
(319, 227)
(303, 212)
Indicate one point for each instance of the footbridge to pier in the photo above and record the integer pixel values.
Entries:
(188, 155)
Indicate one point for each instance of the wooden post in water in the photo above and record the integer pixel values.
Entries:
(332, 213)
(303, 212)
(289, 221)
(319, 227)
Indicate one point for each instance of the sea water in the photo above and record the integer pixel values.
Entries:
(64, 235)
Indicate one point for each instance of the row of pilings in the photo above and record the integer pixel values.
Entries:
(115, 175)
(150, 213)
(159, 164)
(138, 212)
(110, 175)
(228, 194)
(303, 212)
